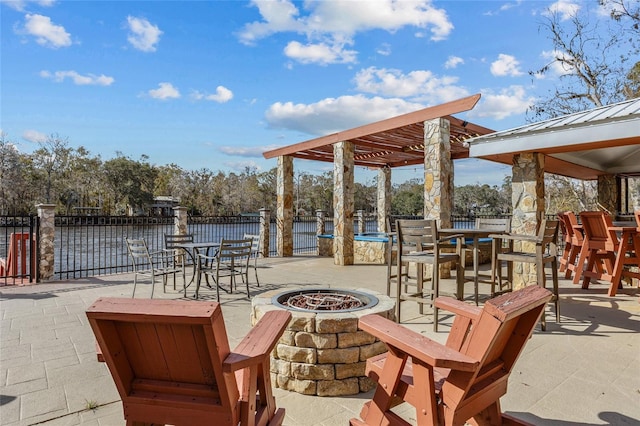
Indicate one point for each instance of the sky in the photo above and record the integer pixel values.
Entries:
(213, 84)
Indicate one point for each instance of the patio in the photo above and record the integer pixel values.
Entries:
(585, 370)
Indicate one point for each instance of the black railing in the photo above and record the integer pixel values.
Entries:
(95, 245)
(16, 270)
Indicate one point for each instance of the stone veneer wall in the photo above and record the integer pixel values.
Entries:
(608, 193)
(528, 210)
(324, 354)
(343, 202)
(284, 214)
(46, 214)
(374, 252)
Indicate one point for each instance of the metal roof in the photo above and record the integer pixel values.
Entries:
(394, 142)
(583, 145)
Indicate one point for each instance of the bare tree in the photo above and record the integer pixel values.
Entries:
(52, 158)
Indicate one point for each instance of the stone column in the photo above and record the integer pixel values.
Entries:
(608, 190)
(46, 236)
(361, 223)
(343, 202)
(438, 172)
(284, 214)
(438, 178)
(265, 232)
(320, 228)
(384, 198)
(528, 209)
(180, 226)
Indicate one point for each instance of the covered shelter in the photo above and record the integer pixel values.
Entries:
(600, 144)
(431, 136)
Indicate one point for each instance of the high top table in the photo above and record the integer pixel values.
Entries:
(474, 234)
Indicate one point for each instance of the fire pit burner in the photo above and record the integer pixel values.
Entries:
(324, 301)
(317, 300)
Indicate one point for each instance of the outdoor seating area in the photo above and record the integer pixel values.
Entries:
(49, 349)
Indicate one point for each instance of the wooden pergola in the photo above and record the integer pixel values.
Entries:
(431, 136)
(394, 142)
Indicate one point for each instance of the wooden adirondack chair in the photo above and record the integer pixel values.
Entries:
(171, 362)
(457, 382)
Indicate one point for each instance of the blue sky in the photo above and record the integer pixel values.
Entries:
(212, 84)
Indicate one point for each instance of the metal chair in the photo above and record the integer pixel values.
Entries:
(418, 243)
(172, 243)
(231, 260)
(150, 264)
(255, 254)
(545, 251)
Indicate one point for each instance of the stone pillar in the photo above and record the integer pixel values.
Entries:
(343, 202)
(46, 236)
(180, 226)
(320, 228)
(284, 214)
(265, 232)
(608, 190)
(361, 223)
(528, 209)
(438, 172)
(384, 198)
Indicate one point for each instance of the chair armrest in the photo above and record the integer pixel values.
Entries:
(416, 345)
(259, 342)
(458, 307)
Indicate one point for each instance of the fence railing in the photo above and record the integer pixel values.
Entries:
(95, 245)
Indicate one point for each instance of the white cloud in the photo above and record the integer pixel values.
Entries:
(384, 49)
(506, 65)
(420, 85)
(143, 34)
(222, 95)
(330, 25)
(34, 136)
(556, 67)
(509, 101)
(453, 62)
(46, 32)
(80, 80)
(565, 9)
(241, 166)
(335, 114)
(249, 151)
(320, 53)
(20, 5)
(164, 91)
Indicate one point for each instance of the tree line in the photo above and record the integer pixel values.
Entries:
(68, 177)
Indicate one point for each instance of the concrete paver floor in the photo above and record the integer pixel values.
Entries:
(583, 371)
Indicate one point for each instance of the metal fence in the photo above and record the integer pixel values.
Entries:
(95, 245)
(18, 262)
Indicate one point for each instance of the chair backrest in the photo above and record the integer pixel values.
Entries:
(637, 215)
(138, 251)
(166, 357)
(255, 244)
(171, 241)
(548, 232)
(494, 224)
(238, 251)
(419, 233)
(568, 221)
(595, 225)
(496, 339)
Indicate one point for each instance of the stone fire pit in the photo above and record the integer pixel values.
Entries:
(322, 352)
